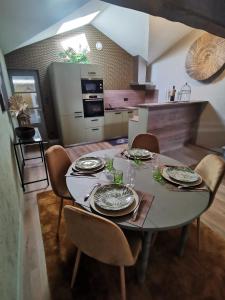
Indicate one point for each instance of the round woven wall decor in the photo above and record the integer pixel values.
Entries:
(205, 57)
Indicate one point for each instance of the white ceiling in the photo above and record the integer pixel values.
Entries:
(22, 19)
(136, 32)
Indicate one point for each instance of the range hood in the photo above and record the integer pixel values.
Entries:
(141, 73)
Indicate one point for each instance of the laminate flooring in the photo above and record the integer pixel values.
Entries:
(35, 275)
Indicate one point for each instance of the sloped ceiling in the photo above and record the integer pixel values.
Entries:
(21, 20)
(139, 33)
(128, 28)
(136, 32)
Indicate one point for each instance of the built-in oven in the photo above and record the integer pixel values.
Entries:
(93, 106)
(92, 86)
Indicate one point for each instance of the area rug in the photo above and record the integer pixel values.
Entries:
(195, 276)
(119, 141)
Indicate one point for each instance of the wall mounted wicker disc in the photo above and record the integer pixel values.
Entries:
(205, 57)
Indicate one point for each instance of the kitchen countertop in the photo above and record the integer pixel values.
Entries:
(170, 104)
(121, 109)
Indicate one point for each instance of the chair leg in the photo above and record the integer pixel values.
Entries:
(198, 232)
(59, 218)
(76, 266)
(122, 283)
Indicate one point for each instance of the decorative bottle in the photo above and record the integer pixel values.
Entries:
(173, 93)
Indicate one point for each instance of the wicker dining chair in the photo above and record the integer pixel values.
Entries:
(212, 169)
(58, 163)
(101, 239)
(146, 141)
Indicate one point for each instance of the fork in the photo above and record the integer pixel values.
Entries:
(91, 191)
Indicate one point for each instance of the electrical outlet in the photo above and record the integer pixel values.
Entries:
(125, 99)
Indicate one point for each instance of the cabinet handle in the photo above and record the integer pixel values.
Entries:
(78, 117)
(95, 129)
(78, 112)
(117, 113)
(94, 120)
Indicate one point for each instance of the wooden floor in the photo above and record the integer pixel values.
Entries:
(35, 276)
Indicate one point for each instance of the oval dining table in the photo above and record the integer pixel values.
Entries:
(170, 208)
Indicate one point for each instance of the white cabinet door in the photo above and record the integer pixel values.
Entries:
(73, 130)
(113, 124)
(91, 71)
(126, 116)
(66, 87)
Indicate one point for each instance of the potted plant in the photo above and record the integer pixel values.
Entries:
(19, 108)
(71, 56)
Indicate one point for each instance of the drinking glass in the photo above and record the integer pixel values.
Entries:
(131, 175)
(109, 163)
(118, 177)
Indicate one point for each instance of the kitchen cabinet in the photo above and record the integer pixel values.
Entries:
(66, 87)
(91, 71)
(125, 120)
(94, 129)
(116, 123)
(73, 128)
(94, 122)
(94, 134)
(113, 123)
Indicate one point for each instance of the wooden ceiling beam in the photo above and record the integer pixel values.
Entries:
(208, 15)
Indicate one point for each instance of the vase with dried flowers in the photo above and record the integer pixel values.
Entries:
(19, 108)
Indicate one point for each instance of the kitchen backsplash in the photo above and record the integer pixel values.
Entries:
(118, 98)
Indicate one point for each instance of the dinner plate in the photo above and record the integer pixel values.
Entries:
(88, 171)
(88, 163)
(114, 197)
(113, 213)
(183, 174)
(167, 177)
(138, 153)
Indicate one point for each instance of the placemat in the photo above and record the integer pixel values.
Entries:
(143, 209)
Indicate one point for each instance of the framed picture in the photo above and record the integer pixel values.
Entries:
(3, 92)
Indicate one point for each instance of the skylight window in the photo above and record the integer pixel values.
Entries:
(73, 24)
(78, 43)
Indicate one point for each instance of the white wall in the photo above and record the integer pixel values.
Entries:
(163, 34)
(128, 28)
(169, 70)
(11, 209)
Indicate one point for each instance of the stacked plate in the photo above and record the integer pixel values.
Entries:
(137, 153)
(114, 200)
(89, 164)
(182, 176)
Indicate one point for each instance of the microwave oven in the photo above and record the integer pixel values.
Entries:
(92, 86)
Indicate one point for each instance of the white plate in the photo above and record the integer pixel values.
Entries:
(88, 163)
(138, 153)
(182, 174)
(115, 213)
(167, 177)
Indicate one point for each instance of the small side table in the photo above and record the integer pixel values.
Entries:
(35, 140)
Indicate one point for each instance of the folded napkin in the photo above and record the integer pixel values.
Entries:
(145, 205)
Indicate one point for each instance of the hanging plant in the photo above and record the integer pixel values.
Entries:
(71, 56)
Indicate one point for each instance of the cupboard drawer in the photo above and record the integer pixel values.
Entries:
(94, 134)
(94, 122)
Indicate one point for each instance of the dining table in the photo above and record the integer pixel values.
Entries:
(171, 208)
